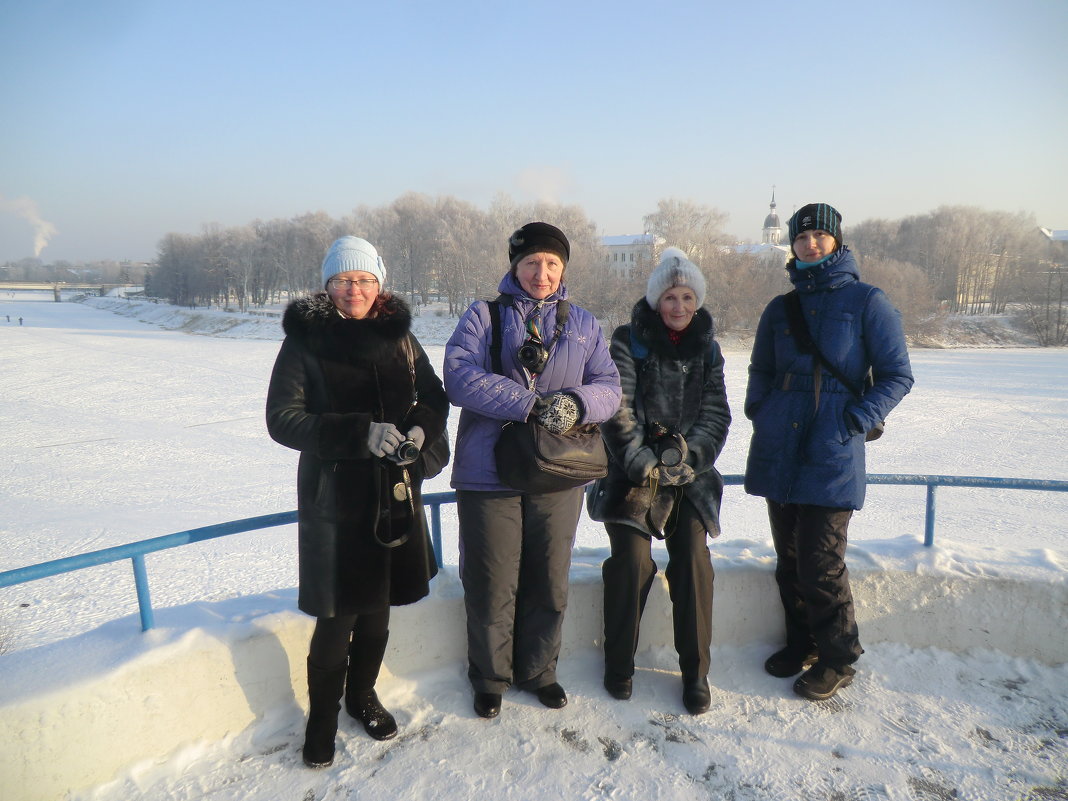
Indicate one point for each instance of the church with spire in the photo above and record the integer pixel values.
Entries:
(772, 234)
(771, 247)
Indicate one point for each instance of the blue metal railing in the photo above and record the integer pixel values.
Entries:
(135, 551)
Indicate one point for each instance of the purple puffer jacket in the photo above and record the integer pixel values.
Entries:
(579, 363)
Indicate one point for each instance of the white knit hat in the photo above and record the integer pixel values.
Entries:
(352, 253)
(674, 270)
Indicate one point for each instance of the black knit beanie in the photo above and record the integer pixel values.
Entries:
(816, 217)
(537, 237)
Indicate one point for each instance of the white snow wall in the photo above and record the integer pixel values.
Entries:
(75, 714)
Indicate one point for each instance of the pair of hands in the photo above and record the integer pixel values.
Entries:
(677, 476)
(384, 438)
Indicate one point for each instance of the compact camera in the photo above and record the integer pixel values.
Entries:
(406, 452)
(668, 445)
(533, 355)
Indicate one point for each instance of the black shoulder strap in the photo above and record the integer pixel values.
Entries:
(563, 311)
(803, 337)
(495, 335)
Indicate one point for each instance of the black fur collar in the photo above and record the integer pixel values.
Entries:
(315, 322)
(651, 330)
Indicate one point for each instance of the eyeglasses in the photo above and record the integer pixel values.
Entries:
(346, 283)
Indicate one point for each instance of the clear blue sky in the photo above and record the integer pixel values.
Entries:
(123, 120)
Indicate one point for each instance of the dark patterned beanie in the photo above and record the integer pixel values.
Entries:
(816, 217)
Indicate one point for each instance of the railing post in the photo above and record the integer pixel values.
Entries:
(929, 523)
(435, 533)
(144, 602)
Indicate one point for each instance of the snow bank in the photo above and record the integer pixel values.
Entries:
(77, 712)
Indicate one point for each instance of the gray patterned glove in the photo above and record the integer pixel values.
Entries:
(559, 415)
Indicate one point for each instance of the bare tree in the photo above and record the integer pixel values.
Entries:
(695, 229)
(1045, 291)
(739, 286)
(909, 289)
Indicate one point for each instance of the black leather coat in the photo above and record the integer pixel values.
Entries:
(332, 378)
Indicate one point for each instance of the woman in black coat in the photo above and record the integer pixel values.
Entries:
(661, 480)
(353, 391)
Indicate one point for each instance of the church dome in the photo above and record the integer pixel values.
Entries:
(772, 221)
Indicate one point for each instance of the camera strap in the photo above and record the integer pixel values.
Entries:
(563, 311)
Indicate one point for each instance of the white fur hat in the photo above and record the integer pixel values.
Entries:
(352, 253)
(674, 270)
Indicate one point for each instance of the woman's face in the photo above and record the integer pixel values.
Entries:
(677, 307)
(540, 274)
(353, 292)
(814, 245)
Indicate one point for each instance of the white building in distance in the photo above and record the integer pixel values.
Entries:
(632, 256)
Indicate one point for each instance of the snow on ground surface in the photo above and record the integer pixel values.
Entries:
(121, 420)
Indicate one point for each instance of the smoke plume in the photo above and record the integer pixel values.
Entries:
(26, 208)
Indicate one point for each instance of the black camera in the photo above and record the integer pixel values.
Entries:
(406, 453)
(668, 445)
(533, 355)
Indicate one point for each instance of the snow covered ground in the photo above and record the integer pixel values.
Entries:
(122, 420)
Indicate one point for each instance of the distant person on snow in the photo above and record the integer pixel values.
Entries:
(343, 393)
(809, 428)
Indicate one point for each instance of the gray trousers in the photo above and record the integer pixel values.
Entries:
(515, 555)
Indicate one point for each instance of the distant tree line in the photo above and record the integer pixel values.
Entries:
(954, 260)
(94, 272)
(968, 261)
(447, 250)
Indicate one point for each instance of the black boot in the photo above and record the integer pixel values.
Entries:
(696, 696)
(361, 700)
(789, 662)
(822, 681)
(619, 687)
(324, 692)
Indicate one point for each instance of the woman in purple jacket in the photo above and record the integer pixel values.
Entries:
(515, 548)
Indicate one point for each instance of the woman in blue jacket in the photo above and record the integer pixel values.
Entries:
(515, 547)
(809, 428)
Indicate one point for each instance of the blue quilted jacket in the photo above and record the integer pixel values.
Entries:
(808, 454)
(579, 363)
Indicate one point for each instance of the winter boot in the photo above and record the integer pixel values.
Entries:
(361, 700)
(324, 692)
(823, 681)
(619, 687)
(788, 662)
(696, 696)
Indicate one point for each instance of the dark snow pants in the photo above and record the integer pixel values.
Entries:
(628, 576)
(810, 542)
(515, 555)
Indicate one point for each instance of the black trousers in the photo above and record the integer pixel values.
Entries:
(332, 636)
(628, 576)
(515, 556)
(810, 542)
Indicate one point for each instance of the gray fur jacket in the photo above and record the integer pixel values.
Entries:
(682, 388)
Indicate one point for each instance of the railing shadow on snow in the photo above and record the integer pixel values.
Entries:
(135, 551)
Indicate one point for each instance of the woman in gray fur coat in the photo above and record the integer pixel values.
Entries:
(661, 480)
